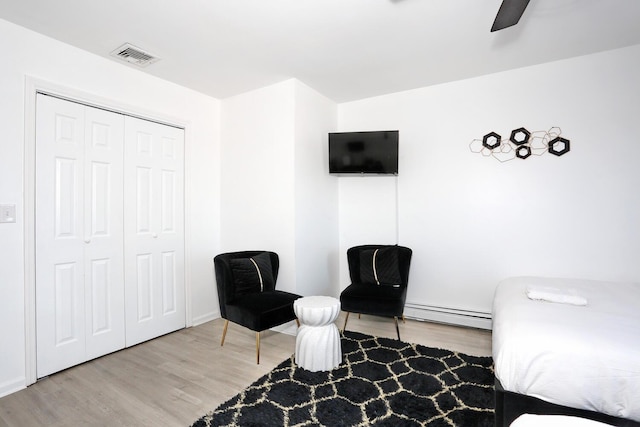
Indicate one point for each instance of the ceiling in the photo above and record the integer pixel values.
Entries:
(345, 49)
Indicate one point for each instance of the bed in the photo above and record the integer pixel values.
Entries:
(530, 420)
(567, 347)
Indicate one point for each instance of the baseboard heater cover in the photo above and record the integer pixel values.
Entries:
(449, 315)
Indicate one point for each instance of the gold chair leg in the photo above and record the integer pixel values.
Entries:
(344, 328)
(395, 319)
(257, 348)
(224, 332)
(298, 322)
(359, 316)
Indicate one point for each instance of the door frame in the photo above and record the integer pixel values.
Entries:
(34, 86)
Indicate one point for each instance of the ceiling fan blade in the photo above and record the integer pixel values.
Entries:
(509, 14)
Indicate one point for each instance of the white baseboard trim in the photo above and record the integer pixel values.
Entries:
(452, 316)
(12, 386)
(205, 318)
(289, 328)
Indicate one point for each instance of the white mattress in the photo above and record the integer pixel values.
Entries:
(529, 420)
(581, 356)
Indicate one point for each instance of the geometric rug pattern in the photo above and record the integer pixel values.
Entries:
(381, 382)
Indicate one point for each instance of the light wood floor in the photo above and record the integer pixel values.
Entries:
(175, 379)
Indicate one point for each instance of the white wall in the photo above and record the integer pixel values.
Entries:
(29, 54)
(316, 195)
(257, 175)
(276, 192)
(368, 211)
(472, 220)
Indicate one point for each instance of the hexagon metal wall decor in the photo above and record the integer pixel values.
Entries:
(520, 136)
(521, 144)
(523, 152)
(559, 146)
(491, 140)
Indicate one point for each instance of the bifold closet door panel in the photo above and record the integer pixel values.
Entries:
(154, 229)
(79, 233)
(104, 232)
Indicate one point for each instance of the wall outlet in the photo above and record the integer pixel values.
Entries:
(7, 213)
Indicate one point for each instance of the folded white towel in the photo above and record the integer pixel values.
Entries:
(550, 294)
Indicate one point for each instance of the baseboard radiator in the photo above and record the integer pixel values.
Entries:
(421, 312)
(448, 315)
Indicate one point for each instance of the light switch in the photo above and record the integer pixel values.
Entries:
(7, 213)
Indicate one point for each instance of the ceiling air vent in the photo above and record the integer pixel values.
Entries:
(134, 55)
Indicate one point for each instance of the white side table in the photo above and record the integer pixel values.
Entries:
(318, 340)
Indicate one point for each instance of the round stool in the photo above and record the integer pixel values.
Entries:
(318, 340)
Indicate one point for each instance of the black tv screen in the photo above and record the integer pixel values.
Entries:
(363, 152)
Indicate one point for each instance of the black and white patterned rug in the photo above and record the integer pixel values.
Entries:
(381, 382)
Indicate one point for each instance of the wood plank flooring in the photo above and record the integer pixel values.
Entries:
(175, 379)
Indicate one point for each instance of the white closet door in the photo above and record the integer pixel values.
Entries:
(154, 230)
(104, 232)
(79, 229)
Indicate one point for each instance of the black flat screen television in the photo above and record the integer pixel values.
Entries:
(363, 152)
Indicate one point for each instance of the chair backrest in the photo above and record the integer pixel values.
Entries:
(230, 280)
(359, 273)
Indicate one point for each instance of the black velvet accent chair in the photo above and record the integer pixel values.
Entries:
(379, 277)
(247, 292)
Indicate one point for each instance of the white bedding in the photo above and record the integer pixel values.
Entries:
(529, 420)
(583, 356)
